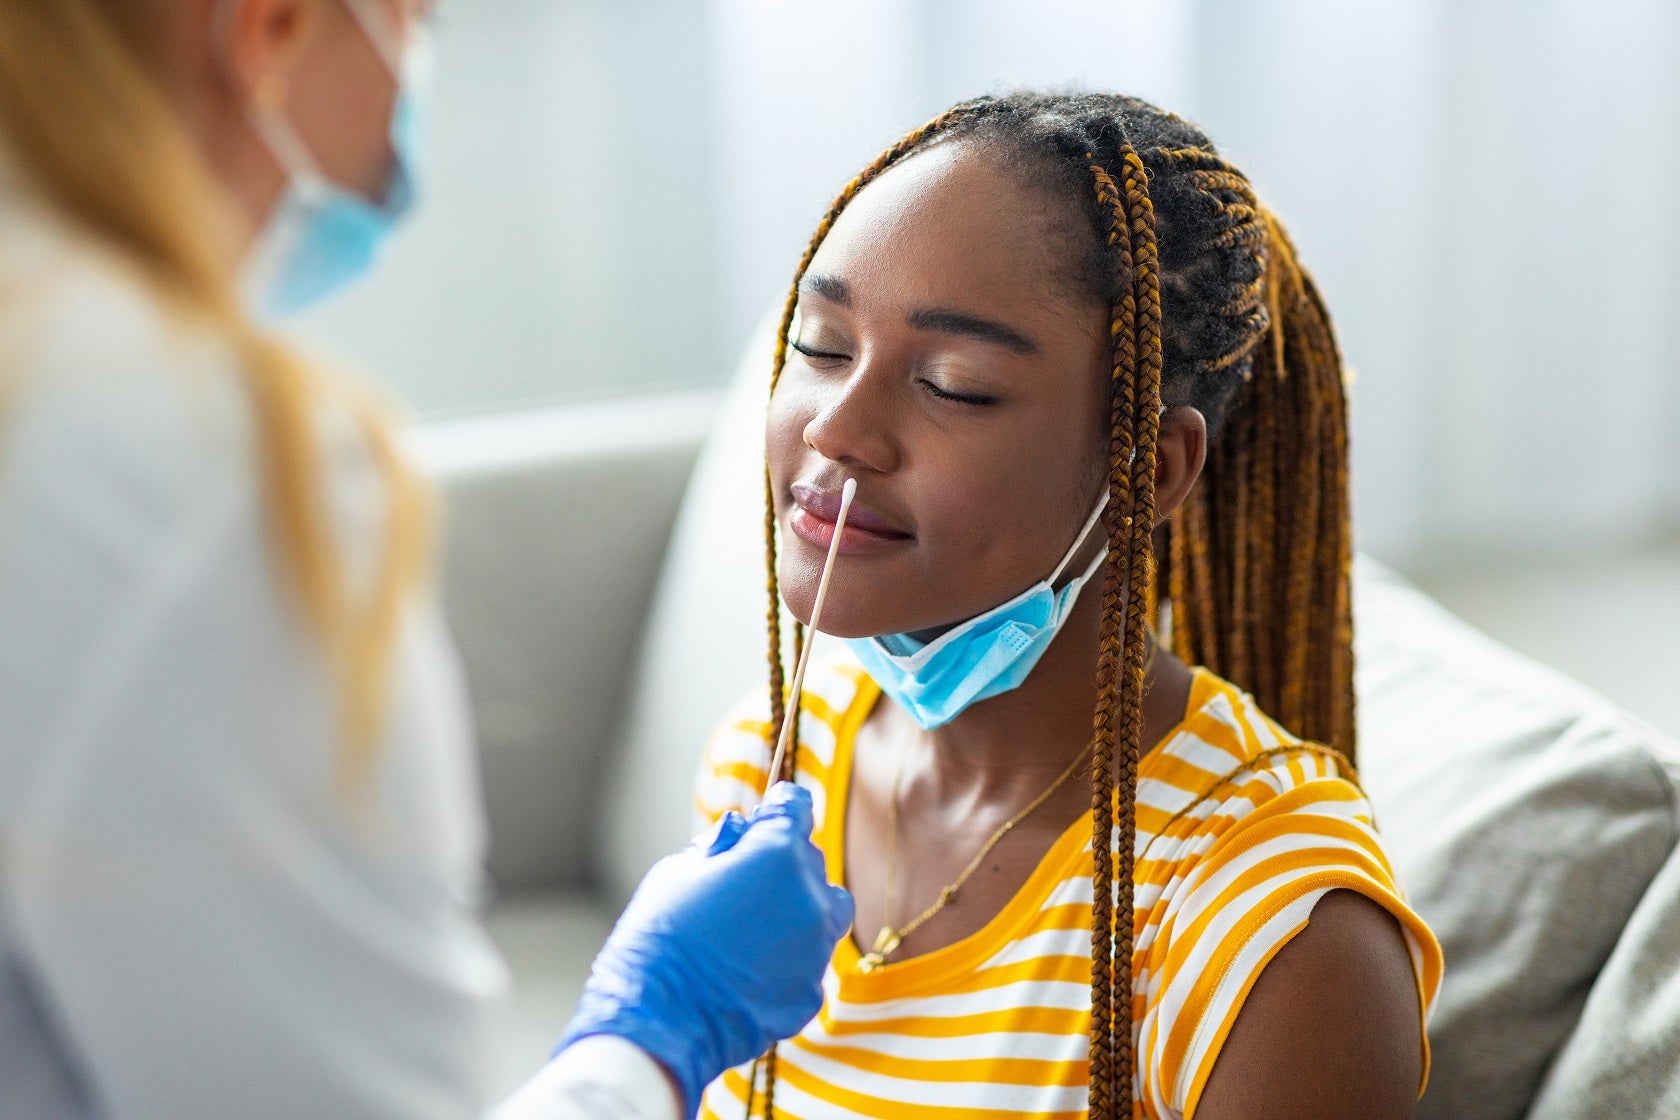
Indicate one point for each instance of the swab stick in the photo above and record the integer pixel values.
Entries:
(847, 493)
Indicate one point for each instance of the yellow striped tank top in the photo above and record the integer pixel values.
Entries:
(1240, 831)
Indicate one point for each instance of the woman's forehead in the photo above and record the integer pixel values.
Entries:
(946, 223)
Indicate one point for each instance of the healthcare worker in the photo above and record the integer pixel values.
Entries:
(240, 836)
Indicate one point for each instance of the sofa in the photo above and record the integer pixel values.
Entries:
(603, 574)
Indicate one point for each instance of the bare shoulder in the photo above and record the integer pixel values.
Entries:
(1331, 1028)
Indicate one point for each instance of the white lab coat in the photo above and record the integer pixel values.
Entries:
(191, 923)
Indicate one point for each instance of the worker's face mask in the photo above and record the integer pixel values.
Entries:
(989, 654)
(324, 236)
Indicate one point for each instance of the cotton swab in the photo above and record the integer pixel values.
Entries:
(847, 493)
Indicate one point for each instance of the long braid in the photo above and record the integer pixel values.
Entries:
(1333, 594)
(1118, 722)
(1124, 335)
(1140, 521)
(790, 761)
(773, 615)
(770, 1082)
(1286, 542)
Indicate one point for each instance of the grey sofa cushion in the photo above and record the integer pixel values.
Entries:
(1528, 819)
(1623, 1058)
(557, 525)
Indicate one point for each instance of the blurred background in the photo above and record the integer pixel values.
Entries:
(1483, 188)
(620, 188)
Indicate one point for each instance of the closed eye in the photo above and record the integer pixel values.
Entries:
(817, 355)
(980, 400)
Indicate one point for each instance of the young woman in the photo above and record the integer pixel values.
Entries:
(1095, 412)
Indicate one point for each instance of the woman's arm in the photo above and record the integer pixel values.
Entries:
(1331, 1029)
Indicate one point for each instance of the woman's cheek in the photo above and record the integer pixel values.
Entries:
(784, 443)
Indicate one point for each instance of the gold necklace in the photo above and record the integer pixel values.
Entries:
(889, 938)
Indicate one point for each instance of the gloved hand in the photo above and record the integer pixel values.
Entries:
(722, 950)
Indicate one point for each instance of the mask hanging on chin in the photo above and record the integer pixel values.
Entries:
(983, 657)
(323, 236)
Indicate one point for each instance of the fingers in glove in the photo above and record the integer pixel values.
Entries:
(787, 800)
(723, 835)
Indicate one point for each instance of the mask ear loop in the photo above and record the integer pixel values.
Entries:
(1090, 523)
(381, 33)
(285, 143)
(263, 108)
(1079, 541)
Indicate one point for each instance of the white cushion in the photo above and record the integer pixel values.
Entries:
(1526, 815)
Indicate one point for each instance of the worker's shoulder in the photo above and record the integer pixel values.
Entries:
(113, 398)
(105, 387)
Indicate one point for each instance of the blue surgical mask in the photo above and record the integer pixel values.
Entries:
(989, 654)
(324, 236)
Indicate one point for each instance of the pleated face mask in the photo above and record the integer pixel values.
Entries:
(322, 236)
(983, 657)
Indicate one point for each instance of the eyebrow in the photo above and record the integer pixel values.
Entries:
(971, 326)
(831, 288)
(936, 319)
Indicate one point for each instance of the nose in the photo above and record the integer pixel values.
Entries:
(853, 423)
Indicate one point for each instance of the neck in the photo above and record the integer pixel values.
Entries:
(245, 170)
(1012, 745)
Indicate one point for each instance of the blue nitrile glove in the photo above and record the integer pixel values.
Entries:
(722, 950)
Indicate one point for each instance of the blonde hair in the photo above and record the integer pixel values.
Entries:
(90, 127)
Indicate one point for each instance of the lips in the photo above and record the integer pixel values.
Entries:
(816, 509)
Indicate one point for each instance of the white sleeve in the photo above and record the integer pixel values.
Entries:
(602, 1077)
(212, 925)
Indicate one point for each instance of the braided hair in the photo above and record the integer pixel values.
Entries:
(1208, 308)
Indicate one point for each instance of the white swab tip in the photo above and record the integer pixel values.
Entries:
(848, 492)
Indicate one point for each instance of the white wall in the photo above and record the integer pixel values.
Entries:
(620, 189)
(1484, 190)
(809, 92)
(564, 247)
(1329, 107)
(617, 190)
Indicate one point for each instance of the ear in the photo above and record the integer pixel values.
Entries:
(1180, 453)
(262, 40)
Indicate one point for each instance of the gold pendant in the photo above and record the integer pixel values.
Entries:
(885, 942)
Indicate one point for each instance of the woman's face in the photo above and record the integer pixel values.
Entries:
(329, 66)
(343, 89)
(947, 363)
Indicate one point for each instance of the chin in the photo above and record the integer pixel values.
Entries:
(837, 621)
(854, 608)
